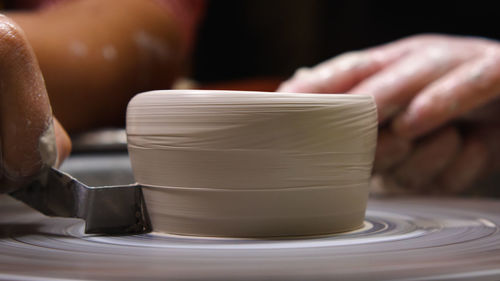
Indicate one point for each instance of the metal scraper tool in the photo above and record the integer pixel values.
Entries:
(106, 209)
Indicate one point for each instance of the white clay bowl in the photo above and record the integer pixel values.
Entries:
(252, 164)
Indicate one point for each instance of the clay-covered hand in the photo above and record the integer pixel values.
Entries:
(426, 87)
(30, 139)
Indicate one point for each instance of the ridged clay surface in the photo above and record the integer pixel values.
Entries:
(252, 164)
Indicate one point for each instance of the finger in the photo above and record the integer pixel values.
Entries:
(429, 158)
(24, 108)
(335, 75)
(394, 86)
(489, 134)
(63, 143)
(343, 72)
(466, 167)
(486, 114)
(390, 151)
(467, 87)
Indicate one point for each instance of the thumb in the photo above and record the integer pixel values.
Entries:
(26, 126)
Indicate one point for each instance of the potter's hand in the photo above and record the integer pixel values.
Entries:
(446, 161)
(30, 138)
(420, 84)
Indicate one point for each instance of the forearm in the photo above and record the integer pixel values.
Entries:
(95, 56)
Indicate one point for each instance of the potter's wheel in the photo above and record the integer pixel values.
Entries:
(405, 238)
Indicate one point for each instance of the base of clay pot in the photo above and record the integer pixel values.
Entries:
(256, 213)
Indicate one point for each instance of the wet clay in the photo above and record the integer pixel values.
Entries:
(252, 164)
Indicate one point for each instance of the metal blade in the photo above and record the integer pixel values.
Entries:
(108, 209)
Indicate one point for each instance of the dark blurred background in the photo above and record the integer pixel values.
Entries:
(246, 39)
